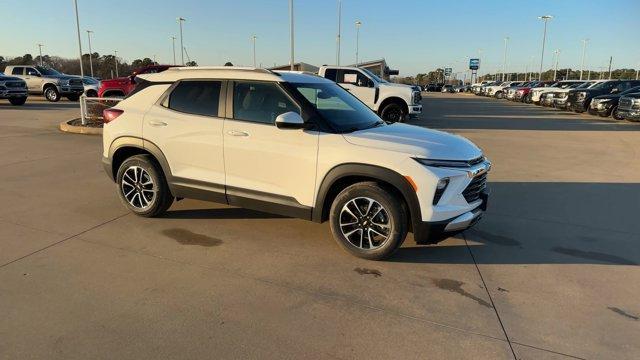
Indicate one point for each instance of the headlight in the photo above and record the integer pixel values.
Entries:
(636, 104)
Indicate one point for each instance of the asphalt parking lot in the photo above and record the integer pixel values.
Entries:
(550, 272)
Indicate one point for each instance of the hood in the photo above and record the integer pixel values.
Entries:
(634, 95)
(9, 78)
(608, 96)
(410, 87)
(62, 77)
(416, 141)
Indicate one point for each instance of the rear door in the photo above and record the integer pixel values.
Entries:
(267, 168)
(187, 127)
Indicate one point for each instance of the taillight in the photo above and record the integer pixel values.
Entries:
(111, 114)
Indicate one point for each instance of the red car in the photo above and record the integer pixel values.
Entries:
(120, 87)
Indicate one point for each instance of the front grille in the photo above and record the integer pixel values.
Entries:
(475, 188)
(625, 103)
(14, 84)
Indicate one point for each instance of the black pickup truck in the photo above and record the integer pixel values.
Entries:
(580, 99)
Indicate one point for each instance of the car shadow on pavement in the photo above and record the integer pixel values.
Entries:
(219, 213)
(546, 223)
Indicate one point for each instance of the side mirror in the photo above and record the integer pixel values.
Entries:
(289, 120)
(615, 90)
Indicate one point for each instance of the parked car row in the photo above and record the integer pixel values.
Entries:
(619, 99)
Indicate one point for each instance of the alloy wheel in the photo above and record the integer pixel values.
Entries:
(365, 223)
(138, 187)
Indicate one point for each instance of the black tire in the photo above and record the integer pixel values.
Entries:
(393, 112)
(615, 114)
(18, 101)
(392, 212)
(159, 201)
(51, 94)
(73, 97)
(92, 93)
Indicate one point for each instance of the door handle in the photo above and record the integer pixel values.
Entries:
(157, 123)
(237, 133)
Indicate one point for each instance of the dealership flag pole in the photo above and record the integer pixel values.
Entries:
(180, 21)
(339, 31)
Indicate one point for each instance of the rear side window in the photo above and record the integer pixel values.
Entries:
(331, 74)
(196, 97)
(17, 71)
(260, 102)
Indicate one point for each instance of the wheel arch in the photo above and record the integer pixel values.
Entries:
(124, 147)
(393, 99)
(110, 92)
(345, 175)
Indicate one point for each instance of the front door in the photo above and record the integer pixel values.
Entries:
(33, 79)
(267, 167)
(187, 126)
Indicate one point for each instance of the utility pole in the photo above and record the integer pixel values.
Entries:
(610, 61)
(254, 49)
(504, 66)
(115, 57)
(339, 31)
(173, 42)
(555, 70)
(544, 18)
(40, 50)
(75, 3)
(358, 24)
(89, 32)
(584, 50)
(291, 63)
(180, 21)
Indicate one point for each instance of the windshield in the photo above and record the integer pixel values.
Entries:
(47, 71)
(632, 90)
(374, 76)
(342, 110)
(600, 85)
(89, 80)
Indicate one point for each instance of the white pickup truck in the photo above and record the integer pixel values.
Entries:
(392, 102)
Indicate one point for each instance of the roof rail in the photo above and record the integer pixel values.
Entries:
(237, 68)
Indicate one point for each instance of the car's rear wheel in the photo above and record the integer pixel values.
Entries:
(52, 94)
(393, 112)
(368, 221)
(18, 101)
(142, 186)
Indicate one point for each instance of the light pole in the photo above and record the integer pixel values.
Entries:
(544, 18)
(504, 66)
(480, 61)
(40, 50)
(89, 32)
(291, 63)
(180, 21)
(173, 43)
(154, 59)
(584, 51)
(115, 57)
(358, 24)
(75, 3)
(555, 70)
(339, 30)
(254, 49)
(637, 70)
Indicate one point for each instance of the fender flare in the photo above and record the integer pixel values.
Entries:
(388, 176)
(138, 143)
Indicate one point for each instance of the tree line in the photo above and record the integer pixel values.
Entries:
(104, 66)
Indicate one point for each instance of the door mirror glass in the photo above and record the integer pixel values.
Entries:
(289, 120)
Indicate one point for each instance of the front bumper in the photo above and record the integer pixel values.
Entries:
(578, 106)
(415, 109)
(630, 114)
(546, 101)
(434, 232)
(70, 90)
(7, 94)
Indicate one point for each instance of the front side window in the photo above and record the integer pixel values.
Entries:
(260, 102)
(196, 97)
(353, 77)
(32, 72)
(342, 110)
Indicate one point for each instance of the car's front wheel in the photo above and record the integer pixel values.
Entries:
(615, 114)
(18, 101)
(393, 112)
(52, 94)
(142, 186)
(368, 221)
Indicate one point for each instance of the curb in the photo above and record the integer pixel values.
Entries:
(85, 130)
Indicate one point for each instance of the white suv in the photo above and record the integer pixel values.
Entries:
(292, 144)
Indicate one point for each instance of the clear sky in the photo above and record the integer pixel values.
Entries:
(413, 35)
